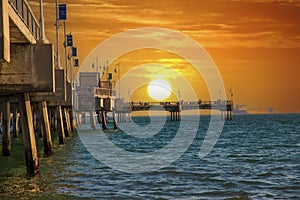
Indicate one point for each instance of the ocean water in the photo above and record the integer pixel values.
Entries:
(255, 157)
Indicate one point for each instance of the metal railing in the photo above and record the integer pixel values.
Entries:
(225, 105)
(22, 8)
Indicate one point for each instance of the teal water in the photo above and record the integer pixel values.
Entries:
(256, 157)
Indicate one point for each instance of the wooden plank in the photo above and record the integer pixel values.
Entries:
(4, 32)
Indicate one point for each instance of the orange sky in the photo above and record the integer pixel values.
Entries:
(255, 44)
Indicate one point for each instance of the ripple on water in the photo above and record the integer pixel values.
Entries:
(256, 157)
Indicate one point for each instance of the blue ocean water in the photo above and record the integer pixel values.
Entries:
(256, 157)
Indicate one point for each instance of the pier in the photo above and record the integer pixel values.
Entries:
(98, 97)
(33, 89)
(175, 107)
(38, 95)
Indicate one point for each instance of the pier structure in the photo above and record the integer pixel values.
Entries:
(95, 98)
(33, 90)
(175, 107)
(105, 97)
(84, 98)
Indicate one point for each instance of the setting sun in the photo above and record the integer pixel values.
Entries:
(159, 89)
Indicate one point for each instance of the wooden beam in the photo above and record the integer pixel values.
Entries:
(68, 124)
(31, 156)
(61, 131)
(6, 141)
(16, 124)
(48, 147)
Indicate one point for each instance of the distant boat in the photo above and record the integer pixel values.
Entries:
(240, 110)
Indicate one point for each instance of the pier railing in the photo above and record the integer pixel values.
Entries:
(221, 105)
(23, 10)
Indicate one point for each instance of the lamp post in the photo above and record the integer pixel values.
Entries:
(57, 36)
(119, 81)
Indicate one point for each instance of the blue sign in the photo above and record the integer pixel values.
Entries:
(74, 51)
(62, 11)
(69, 40)
(76, 64)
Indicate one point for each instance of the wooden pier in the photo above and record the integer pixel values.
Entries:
(175, 107)
(32, 90)
(98, 97)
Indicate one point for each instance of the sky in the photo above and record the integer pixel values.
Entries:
(254, 44)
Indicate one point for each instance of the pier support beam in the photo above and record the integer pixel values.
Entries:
(61, 130)
(103, 115)
(4, 31)
(77, 118)
(31, 156)
(92, 120)
(67, 123)
(38, 126)
(16, 124)
(43, 111)
(72, 119)
(122, 117)
(114, 119)
(51, 116)
(99, 117)
(83, 118)
(175, 116)
(226, 115)
(6, 141)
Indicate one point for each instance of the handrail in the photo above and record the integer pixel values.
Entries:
(22, 8)
(170, 103)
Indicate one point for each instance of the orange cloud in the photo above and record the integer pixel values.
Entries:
(255, 44)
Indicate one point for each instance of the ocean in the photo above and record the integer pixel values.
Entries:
(255, 157)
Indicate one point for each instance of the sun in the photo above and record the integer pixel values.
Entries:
(159, 89)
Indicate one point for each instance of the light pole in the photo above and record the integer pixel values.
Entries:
(57, 36)
(119, 80)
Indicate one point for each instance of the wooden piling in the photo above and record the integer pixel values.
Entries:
(92, 120)
(77, 119)
(72, 120)
(103, 115)
(83, 118)
(6, 140)
(67, 124)
(61, 131)
(34, 119)
(175, 116)
(0, 121)
(47, 140)
(31, 156)
(39, 128)
(99, 117)
(16, 124)
(51, 118)
(115, 121)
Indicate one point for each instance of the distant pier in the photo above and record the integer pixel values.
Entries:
(175, 107)
(95, 96)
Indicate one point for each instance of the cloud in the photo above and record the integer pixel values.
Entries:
(217, 23)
